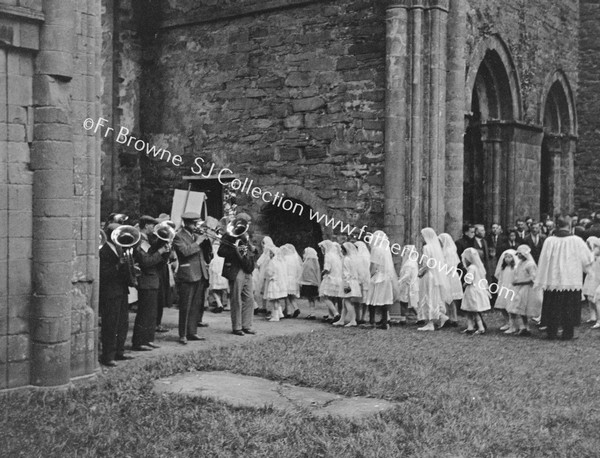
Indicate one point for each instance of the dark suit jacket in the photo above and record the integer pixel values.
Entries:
(521, 240)
(594, 230)
(506, 245)
(501, 240)
(151, 264)
(535, 249)
(113, 275)
(234, 262)
(193, 258)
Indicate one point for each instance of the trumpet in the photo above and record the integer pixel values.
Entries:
(236, 228)
(127, 237)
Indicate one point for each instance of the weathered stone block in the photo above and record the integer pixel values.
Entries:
(294, 121)
(309, 104)
(299, 79)
(20, 222)
(18, 348)
(52, 184)
(18, 373)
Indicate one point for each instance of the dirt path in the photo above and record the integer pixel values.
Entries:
(218, 333)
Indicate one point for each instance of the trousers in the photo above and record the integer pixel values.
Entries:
(241, 303)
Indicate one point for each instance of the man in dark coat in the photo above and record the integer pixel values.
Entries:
(194, 252)
(237, 268)
(152, 255)
(535, 240)
(113, 305)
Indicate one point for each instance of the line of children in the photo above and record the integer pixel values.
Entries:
(355, 279)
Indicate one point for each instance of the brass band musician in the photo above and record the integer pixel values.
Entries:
(113, 306)
(239, 255)
(194, 252)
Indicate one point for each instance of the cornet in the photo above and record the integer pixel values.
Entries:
(127, 237)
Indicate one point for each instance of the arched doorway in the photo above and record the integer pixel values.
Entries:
(290, 227)
(557, 146)
(492, 107)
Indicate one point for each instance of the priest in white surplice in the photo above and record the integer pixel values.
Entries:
(563, 260)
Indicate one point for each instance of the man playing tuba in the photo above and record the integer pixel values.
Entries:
(113, 307)
(239, 255)
(152, 255)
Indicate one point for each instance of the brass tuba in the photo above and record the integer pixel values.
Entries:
(126, 238)
(102, 239)
(165, 231)
(238, 228)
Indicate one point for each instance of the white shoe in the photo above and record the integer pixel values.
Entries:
(428, 327)
(596, 326)
(338, 323)
(505, 327)
(443, 321)
(350, 325)
(510, 331)
(275, 317)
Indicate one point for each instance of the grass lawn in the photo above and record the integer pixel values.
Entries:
(489, 395)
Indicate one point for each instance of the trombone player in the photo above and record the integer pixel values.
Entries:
(152, 255)
(239, 255)
(194, 252)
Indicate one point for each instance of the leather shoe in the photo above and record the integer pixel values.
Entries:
(238, 333)
(195, 337)
(152, 345)
(123, 357)
(183, 340)
(248, 331)
(140, 348)
(202, 325)
(161, 329)
(110, 363)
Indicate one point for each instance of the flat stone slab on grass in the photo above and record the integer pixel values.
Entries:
(245, 391)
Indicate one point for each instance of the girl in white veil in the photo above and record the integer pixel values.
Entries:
(451, 270)
(352, 292)
(408, 282)
(433, 287)
(383, 279)
(331, 287)
(477, 296)
(293, 263)
(364, 277)
(505, 273)
(258, 275)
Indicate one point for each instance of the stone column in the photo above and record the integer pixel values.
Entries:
(52, 164)
(455, 122)
(495, 184)
(438, 16)
(416, 74)
(395, 122)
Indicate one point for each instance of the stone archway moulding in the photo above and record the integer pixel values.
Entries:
(494, 43)
(294, 191)
(560, 77)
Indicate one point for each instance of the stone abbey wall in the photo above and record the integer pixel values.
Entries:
(293, 92)
(49, 191)
(587, 159)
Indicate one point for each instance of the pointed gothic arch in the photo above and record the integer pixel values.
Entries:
(558, 116)
(494, 104)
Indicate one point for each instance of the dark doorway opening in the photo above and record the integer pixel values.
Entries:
(473, 196)
(547, 180)
(290, 227)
